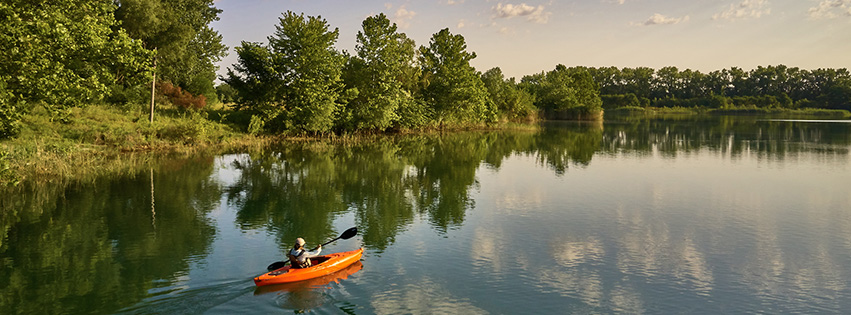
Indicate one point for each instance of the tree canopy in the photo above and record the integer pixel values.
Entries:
(383, 58)
(187, 48)
(64, 54)
(452, 86)
(294, 81)
(769, 86)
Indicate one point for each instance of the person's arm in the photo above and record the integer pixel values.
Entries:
(313, 253)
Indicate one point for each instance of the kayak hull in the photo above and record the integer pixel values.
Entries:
(322, 265)
(311, 284)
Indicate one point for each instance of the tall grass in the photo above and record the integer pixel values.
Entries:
(101, 139)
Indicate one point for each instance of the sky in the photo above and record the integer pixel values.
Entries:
(527, 37)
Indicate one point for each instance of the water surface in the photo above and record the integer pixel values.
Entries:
(693, 215)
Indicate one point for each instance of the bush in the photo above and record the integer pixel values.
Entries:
(180, 97)
(121, 95)
(611, 101)
(10, 114)
(7, 176)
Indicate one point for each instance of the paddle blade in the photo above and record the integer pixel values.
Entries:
(349, 233)
(276, 265)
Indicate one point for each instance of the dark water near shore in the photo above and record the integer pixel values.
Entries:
(696, 215)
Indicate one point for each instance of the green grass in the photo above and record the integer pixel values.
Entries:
(102, 139)
(748, 110)
(653, 111)
(783, 112)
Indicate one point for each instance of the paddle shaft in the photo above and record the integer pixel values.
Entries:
(326, 243)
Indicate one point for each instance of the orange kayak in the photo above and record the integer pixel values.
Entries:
(322, 265)
(311, 284)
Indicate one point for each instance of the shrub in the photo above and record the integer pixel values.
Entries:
(10, 114)
(180, 97)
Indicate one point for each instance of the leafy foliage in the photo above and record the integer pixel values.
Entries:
(453, 87)
(64, 54)
(566, 93)
(10, 114)
(383, 58)
(511, 102)
(295, 81)
(764, 87)
(257, 84)
(304, 52)
(187, 48)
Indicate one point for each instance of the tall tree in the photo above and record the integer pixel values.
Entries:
(294, 82)
(453, 87)
(187, 49)
(303, 48)
(383, 57)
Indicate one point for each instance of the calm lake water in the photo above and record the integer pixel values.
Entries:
(709, 215)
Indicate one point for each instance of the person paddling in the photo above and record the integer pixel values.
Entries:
(299, 257)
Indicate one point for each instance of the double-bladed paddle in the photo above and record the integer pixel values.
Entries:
(346, 235)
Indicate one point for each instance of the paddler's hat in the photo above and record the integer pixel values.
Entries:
(299, 241)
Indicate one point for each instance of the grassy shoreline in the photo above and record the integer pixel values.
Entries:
(739, 111)
(100, 140)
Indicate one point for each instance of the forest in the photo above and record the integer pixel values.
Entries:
(764, 87)
(58, 57)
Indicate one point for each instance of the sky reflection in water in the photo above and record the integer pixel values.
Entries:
(658, 216)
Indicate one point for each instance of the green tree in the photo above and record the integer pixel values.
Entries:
(256, 80)
(303, 50)
(187, 49)
(569, 94)
(638, 81)
(666, 82)
(62, 55)
(226, 93)
(453, 87)
(511, 102)
(383, 57)
(294, 83)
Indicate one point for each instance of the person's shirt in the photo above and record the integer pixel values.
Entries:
(301, 255)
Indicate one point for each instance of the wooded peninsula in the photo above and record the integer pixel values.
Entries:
(84, 80)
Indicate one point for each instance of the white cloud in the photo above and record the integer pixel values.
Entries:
(461, 24)
(532, 13)
(658, 19)
(829, 9)
(403, 17)
(744, 10)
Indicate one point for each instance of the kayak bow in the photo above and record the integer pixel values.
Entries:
(322, 265)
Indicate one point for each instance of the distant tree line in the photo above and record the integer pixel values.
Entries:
(764, 87)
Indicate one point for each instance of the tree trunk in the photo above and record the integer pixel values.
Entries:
(153, 90)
